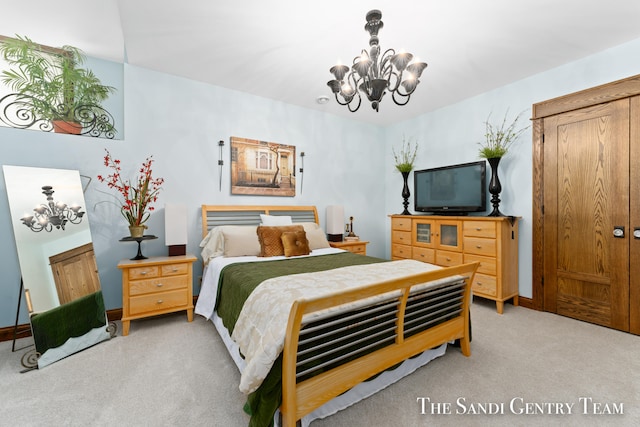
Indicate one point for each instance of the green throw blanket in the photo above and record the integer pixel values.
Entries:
(237, 281)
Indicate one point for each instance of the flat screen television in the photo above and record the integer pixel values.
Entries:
(453, 189)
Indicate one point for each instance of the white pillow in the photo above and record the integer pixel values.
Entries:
(275, 220)
(212, 245)
(317, 238)
(241, 241)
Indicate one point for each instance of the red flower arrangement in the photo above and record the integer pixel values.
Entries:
(136, 207)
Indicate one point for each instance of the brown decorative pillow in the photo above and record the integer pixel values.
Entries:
(295, 243)
(270, 241)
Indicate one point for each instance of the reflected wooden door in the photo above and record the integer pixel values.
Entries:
(75, 273)
(586, 198)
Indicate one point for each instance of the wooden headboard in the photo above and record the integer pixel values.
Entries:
(215, 215)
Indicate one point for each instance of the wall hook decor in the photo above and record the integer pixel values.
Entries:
(301, 170)
(220, 163)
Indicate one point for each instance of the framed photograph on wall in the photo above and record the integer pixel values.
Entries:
(261, 168)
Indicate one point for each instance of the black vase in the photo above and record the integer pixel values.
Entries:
(494, 186)
(405, 193)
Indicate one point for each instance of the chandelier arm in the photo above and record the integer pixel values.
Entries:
(407, 97)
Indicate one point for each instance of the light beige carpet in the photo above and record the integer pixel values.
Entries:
(168, 372)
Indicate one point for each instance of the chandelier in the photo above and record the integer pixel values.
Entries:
(52, 214)
(374, 74)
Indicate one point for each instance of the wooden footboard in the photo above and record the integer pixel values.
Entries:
(402, 321)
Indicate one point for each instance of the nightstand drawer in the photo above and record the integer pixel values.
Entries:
(157, 302)
(479, 246)
(175, 269)
(146, 272)
(484, 285)
(157, 285)
(357, 249)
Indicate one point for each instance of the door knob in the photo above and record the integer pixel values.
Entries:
(618, 231)
(636, 233)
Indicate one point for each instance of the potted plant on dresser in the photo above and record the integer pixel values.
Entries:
(51, 86)
(498, 140)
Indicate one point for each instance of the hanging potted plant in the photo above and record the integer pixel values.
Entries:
(52, 86)
(498, 140)
(404, 164)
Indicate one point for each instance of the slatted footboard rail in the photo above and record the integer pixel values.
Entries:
(392, 321)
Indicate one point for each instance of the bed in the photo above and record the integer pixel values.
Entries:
(315, 329)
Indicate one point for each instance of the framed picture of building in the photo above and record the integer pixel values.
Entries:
(261, 168)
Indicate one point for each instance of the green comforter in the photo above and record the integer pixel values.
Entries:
(237, 281)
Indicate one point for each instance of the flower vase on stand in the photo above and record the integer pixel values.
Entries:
(494, 186)
(405, 193)
(136, 231)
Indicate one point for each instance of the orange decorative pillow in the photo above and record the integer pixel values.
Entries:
(295, 243)
(270, 241)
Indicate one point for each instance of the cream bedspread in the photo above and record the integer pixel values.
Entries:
(261, 327)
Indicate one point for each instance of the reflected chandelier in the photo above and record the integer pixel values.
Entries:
(52, 214)
(374, 74)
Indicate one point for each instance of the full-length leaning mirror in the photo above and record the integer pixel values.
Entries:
(57, 262)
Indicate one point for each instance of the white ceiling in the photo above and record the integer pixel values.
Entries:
(283, 49)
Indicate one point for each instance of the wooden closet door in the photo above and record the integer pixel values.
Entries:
(586, 196)
(634, 202)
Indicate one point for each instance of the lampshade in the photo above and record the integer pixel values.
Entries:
(175, 228)
(335, 223)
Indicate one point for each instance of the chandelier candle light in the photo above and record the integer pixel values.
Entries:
(374, 74)
(52, 214)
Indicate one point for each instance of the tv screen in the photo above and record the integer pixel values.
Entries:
(454, 189)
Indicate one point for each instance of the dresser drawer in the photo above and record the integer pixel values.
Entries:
(424, 255)
(484, 285)
(479, 228)
(159, 284)
(402, 237)
(175, 269)
(157, 302)
(479, 246)
(487, 264)
(400, 251)
(146, 272)
(448, 259)
(401, 224)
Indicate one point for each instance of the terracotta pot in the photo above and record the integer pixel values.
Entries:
(61, 126)
(136, 230)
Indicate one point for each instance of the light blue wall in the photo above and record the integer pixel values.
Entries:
(451, 135)
(180, 122)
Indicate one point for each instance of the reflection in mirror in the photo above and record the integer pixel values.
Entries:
(57, 261)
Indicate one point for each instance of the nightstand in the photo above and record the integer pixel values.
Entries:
(156, 285)
(357, 247)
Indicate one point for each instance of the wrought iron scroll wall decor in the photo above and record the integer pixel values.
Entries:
(93, 120)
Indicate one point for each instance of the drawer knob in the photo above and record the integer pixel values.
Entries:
(174, 269)
(159, 301)
(479, 246)
(143, 273)
(448, 259)
(478, 229)
(159, 285)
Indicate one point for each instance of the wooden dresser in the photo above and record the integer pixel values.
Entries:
(448, 241)
(156, 285)
(357, 247)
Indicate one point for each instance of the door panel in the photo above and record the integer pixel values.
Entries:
(586, 176)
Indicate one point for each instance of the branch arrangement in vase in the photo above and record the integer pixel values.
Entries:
(499, 138)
